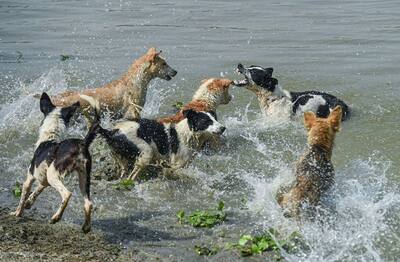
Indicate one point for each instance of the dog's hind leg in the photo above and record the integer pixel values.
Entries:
(26, 188)
(53, 177)
(84, 185)
(32, 198)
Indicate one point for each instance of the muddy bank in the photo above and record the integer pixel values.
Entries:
(31, 238)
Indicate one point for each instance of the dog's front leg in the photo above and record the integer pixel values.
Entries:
(26, 188)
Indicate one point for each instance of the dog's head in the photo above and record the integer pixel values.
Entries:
(215, 91)
(203, 122)
(158, 67)
(56, 114)
(257, 78)
(322, 130)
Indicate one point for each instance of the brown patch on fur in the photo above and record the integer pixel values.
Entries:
(217, 85)
(314, 170)
(197, 105)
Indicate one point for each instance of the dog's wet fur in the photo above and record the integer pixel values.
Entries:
(260, 81)
(124, 97)
(145, 142)
(314, 173)
(212, 93)
(54, 159)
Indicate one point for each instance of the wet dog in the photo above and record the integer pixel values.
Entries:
(145, 142)
(314, 173)
(126, 96)
(275, 101)
(54, 159)
(211, 93)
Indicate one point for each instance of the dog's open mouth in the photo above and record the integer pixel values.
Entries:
(241, 71)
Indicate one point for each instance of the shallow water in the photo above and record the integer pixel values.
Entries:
(349, 48)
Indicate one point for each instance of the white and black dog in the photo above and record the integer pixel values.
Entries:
(55, 158)
(143, 142)
(274, 100)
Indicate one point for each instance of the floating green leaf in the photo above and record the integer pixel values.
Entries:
(207, 218)
(124, 184)
(65, 57)
(205, 251)
(17, 190)
(178, 105)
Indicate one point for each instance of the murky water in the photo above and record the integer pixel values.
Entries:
(349, 48)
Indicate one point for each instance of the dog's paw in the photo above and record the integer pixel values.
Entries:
(55, 219)
(86, 228)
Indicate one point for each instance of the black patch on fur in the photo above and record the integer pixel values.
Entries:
(46, 106)
(151, 130)
(44, 152)
(301, 98)
(174, 140)
(68, 112)
(197, 121)
(120, 144)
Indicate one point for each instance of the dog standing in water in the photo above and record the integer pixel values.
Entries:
(314, 172)
(211, 93)
(275, 101)
(144, 142)
(126, 96)
(54, 159)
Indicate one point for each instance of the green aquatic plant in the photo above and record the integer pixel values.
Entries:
(270, 241)
(65, 57)
(124, 184)
(178, 105)
(205, 251)
(208, 218)
(17, 190)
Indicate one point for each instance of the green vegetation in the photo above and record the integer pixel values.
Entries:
(205, 251)
(207, 218)
(178, 105)
(124, 184)
(65, 57)
(17, 190)
(270, 241)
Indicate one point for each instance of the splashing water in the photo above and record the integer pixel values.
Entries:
(256, 160)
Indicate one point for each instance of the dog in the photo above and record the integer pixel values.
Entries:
(275, 101)
(126, 96)
(314, 173)
(143, 142)
(211, 93)
(54, 159)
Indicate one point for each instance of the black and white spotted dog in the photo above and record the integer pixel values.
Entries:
(147, 142)
(275, 101)
(55, 158)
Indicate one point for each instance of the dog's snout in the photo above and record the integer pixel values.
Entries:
(173, 72)
(222, 130)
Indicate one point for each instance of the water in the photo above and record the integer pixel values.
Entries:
(349, 48)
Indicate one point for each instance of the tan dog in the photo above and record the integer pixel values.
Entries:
(126, 96)
(211, 93)
(314, 171)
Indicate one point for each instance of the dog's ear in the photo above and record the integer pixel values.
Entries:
(152, 53)
(69, 111)
(189, 113)
(335, 118)
(46, 106)
(269, 71)
(309, 120)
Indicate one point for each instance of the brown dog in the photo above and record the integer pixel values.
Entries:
(314, 171)
(211, 93)
(126, 96)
